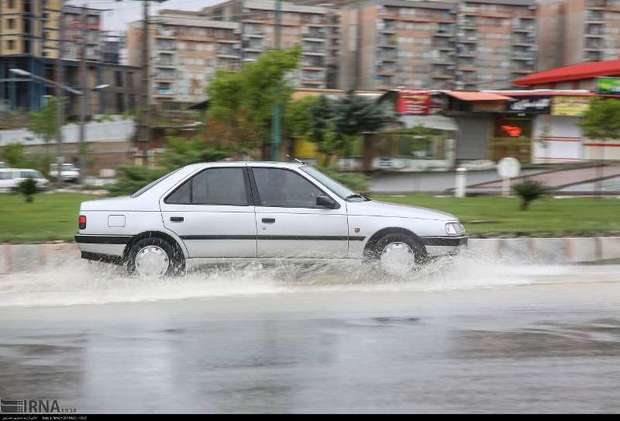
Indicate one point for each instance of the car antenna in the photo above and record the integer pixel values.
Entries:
(292, 158)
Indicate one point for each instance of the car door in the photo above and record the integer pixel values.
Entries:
(289, 222)
(6, 179)
(212, 213)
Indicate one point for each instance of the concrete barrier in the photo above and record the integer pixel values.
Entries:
(26, 257)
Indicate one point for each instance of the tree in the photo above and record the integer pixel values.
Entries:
(241, 101)
(528, 191)
(180, 151)
(602, 121)
(298, 116)
(44, 122)
(354, 115)
(13, 154)
(27, 188)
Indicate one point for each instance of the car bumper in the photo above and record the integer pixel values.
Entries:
(101, 245)
(445, 246)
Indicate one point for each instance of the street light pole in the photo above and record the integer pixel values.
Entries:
(60, 103)
(146, 87)
(276, 119)
(84, 97)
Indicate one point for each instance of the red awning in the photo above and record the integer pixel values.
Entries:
(477, 96)
(579, 71)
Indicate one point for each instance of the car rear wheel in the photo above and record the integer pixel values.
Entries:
(399, 254)
(154, 257)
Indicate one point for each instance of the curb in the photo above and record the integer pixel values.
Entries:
(25, 257)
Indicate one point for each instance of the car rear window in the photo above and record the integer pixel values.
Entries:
(214, 186)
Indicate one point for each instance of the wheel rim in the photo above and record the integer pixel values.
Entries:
(397, 258)
(152, 261)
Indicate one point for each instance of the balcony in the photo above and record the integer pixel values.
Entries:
(165, 62)
(595, 16)
(313, 49)
(388, 42)
(442, 75)
(388, 27)
(315, 35)
(386, 70)
(388, 57)
(164, 90)
(596, 4)
(165, 75)
(165, 46)
(165, 33)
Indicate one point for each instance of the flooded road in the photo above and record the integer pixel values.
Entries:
(472, 336)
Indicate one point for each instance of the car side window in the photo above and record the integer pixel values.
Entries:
(214, 186)
(284, 188)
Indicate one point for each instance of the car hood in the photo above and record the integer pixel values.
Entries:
(375, 208)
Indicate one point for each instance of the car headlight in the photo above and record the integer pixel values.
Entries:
(454, 228)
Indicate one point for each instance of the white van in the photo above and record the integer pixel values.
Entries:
(11, 177)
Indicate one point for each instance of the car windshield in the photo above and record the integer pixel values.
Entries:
(152, 184)
(31, 174)
(342, 191)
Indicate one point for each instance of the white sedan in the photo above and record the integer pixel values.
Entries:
(225, 212)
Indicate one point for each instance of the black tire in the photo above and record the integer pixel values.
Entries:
(375, 250)
(177, 260)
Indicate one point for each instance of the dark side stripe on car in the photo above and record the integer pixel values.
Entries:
(109, 239)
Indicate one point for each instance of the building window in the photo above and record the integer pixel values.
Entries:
(118, 78)
(10, 4)
(11, 23)
(10, 44)
(120, 103)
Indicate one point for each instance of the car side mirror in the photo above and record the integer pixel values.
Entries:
(326, 202)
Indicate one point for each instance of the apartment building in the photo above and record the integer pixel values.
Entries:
(473, 44)
(314, 28)
(74, 29)
(576, 31)
(496, 42)
(186, 51)
(29, 35)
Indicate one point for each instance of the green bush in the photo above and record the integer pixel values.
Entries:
(13, 155)
(178, 153)
(355, 181)
(27, 188)
(528, 191)
(132, 178)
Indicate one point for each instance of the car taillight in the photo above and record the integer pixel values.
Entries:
(82, 222)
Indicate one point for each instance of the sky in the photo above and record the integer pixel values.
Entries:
(120, 13)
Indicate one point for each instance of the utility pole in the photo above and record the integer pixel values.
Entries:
(60, 108)
(85, 92)
(276, 119)
(145, 119)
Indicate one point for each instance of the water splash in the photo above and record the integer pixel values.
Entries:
(79, 282)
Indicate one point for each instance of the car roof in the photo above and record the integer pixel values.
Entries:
(275, 164)
(18, 169)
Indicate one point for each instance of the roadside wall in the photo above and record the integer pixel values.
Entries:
(30, 257)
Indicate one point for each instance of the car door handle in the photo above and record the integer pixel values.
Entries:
(177, 219)
(269, 220)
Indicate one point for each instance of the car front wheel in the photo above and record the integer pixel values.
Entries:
(154, 257)
(399, 254)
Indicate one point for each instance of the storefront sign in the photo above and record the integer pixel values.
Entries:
(414, 102)
(530, 105)
(608, 85)
(572, 106)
